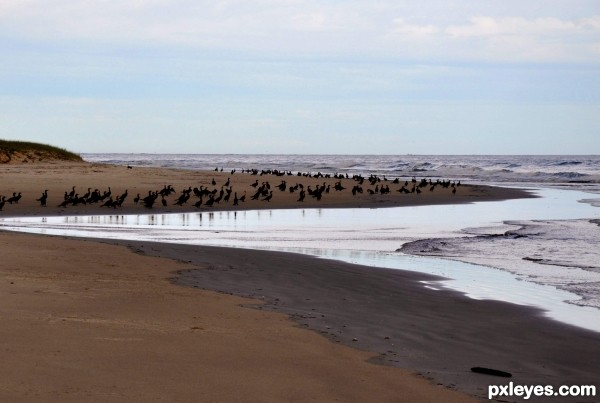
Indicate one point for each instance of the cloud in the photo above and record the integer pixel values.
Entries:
(490, 26)
(500, 39)
(196, 23)
(535, 40)
(431, 31)
(403, 28)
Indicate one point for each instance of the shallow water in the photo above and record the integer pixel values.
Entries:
(365, 236)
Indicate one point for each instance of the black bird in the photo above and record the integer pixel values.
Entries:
(167, 190)
(256, 195)
(269, 197)
(15, 198)
(106, 194)
(109, 203)
(2, 202)
(136, 199)
(94, 197)
(210, 201)
(87, 195)
(150, 199)
(77, 200)
(182, 199)
(43, 198)
(302, 195)
(122, 198)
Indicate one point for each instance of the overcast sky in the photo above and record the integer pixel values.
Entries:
(302, 76)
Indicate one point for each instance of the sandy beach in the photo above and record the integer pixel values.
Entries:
(85, 321)
(88, 320)
(31, 180)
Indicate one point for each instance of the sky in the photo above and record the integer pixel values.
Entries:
(302, 76)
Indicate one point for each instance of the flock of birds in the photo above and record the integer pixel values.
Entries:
(263, 191)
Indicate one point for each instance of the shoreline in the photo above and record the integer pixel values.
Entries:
(31, 180)
(429, 325)
(86, 320)
(440, 334)
(386, 316)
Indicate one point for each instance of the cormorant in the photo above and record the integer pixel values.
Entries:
(269, 197)
(43, 198)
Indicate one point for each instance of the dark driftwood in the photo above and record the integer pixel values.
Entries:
(490, 371)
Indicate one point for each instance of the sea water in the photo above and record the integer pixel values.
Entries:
(578, 171)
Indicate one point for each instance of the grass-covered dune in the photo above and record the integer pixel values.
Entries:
(23, 151)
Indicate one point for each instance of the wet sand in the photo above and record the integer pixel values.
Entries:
(439, 333)
(83, 321)
(89, 321)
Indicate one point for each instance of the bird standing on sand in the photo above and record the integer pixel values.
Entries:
(87, 194)
(302, 195)
(269, 197)
(15, 198)
(122, 198)
(109, 203)
(43, 198)
(150, 199)
(210, 202)
(64, 203)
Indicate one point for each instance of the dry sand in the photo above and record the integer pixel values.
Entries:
(84, 321)
(60, 177)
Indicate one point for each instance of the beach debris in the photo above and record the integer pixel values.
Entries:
(490, 371)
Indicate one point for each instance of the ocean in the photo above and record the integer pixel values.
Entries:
(541, 251)
(577, 171)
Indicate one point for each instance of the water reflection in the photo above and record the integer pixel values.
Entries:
(365, 236)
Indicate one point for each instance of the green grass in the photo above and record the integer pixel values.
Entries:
(37, 151)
